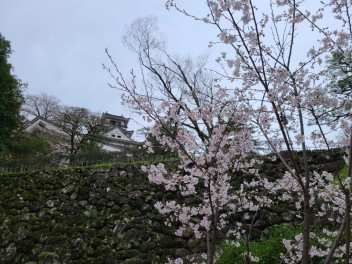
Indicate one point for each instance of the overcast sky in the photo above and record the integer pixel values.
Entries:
(59, 45)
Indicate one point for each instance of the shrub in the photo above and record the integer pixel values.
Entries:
(268, 248)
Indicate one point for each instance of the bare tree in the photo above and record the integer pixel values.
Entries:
(80, 127)
(43, 105)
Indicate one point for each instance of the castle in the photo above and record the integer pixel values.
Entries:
(115, 138)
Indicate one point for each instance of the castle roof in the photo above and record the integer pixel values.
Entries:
(106, 115)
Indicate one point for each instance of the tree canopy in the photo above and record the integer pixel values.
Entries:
(82, 128)
(44, 105)
(10, 97)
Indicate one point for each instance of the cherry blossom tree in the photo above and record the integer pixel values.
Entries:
(267, 52)
(195, 116)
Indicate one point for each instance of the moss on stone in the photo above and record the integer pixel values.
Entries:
(45, 254)
(81, 216)
(84, 191)
(127, 254)
(6, 195)
(56, 240)
(25, 246)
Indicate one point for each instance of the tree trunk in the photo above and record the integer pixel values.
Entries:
(248, 258)
(348, 204)
(210, 247)
(306, 230)
(348, 226)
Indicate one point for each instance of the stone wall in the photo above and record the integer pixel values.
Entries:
(90, 215)
(106, 215)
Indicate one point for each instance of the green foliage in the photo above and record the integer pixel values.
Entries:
(5, 47)
(343, 171)
(340, 73)
(344, 84)
(158, 149)
(342, 174)
(268, 249)
(91, 152)
(29, 146)
(27, 149)
(10, 98)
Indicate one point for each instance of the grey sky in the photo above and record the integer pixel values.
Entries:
(59, 45)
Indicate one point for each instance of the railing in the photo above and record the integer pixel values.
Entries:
(98, 160)
(117, 160)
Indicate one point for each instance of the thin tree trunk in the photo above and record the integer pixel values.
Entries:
(348, 204)
(348, 226)
(336, 242)
(212, 237)
(212, 233)
(211, 241)
(248, 258)
(306, 230)
(208, 247)
(306, 197)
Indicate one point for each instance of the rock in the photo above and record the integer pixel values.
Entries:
(193, 244)
(11, 249)
(20, 233)
(50, 203)
(181, 253)
(135, 194)
(82, 203)
(68, 189)
(188, 232)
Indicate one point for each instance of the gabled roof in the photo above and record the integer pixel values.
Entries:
(43, 123)
(118, 133)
